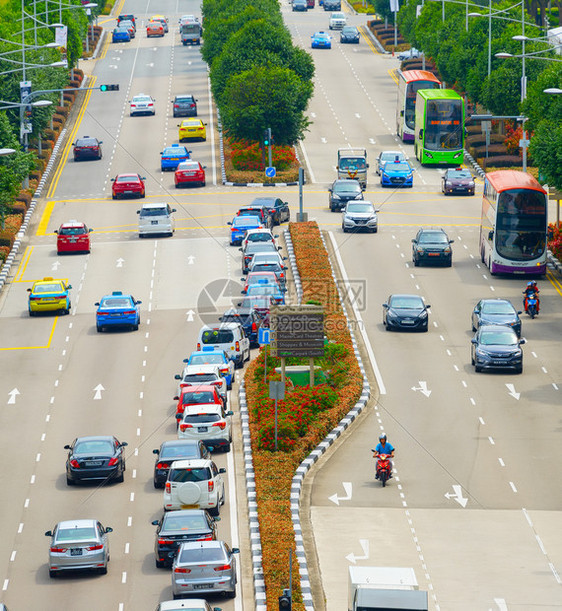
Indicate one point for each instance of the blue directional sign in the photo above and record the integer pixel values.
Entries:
(264, 336)
(270, 171)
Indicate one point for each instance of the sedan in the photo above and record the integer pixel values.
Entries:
(278, 209)
(397, 174)
(154, 28)
(78, 544)
(117, 310)
(196, 376)
(200, 395)
(405, 312)
(275, 293)
(385, 156)
(172, 156)
(142, 104)
(496, 312)
(432, 246)
(207, 567)
(300, 5)
(162, 20)
(240, 225)
(321, 40)
(177, 527)
(457, 180)
(359, 215)
(190, 173)
(87, 148)
(128, 185)
(49, 295)
(98, 458)
(412, 53)
(185, 106)
(497, 347)
(337, 21)
(120, 35)
(178, 449)
(129, 25)
(258, 235)
(349, 34)
(342, 191)
(192, 129)
(73, 237)
(259, 247)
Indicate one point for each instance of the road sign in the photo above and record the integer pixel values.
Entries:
(299, 330)
(276, 390)
(265, 336)
(270, 171)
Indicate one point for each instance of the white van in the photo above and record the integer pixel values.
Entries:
(156, 219)
(227, 336)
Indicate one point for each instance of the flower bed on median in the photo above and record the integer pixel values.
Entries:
(306, 416)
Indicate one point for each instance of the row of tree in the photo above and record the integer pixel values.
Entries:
(258, 77)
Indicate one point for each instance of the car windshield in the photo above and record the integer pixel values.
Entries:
(197, 398)
(180, 451)
(347, 187)
(53, 287)
(359, 208)
(260, 237)
(115, 302)
(391, 156)
(181, 476)
(433, 238)
(409, 303)
(349, 30)
(498, 307)
(265, 267)
(175, 151)
(94, 447)
(127, 178)
(154, 212)
(202, 554)
(85, 533)
(397, 167)
(352, 163)
(200, 359)
(173, 521)
(199, 378)
(498, 338)
(452, 174)
(217, 336)
(200, 418)
(72, 230)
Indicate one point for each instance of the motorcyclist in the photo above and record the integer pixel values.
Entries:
(531, 289)
(384, 447)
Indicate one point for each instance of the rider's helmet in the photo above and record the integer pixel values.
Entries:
(530, 284)
(382, 437)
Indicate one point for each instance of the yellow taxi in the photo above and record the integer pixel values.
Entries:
(49, 295)
(191, 129)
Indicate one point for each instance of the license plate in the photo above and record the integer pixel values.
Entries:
(189, 506)
(128, 192)
(72, 240)
(174, 158)
(432, 254)
(115, 314)
(75, 551)
(154, 222)
(202, 586)
(407, 322)
(498, 362)
(203, 429)
(48, 300)
(93, 463)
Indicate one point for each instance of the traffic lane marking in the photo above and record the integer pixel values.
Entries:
(47, 345)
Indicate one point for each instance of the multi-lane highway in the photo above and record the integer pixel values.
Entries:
(474, 506)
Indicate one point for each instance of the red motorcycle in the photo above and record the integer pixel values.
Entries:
(383, 470)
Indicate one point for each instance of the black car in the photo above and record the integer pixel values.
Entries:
(432, 246)
(349, 34)
(178, 449)
(332, 5)
(457, 180)
(405, 312)
(248, 318)
(177, 527)
(496, 312)
(259, 210)
(342, 191)
(300, 5)
(185, 106)
(87, 148)
(252, 248)
(278, 209)
(95, 458)
(497, 347)
(130, 18)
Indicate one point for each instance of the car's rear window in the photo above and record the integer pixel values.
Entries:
(202, 554)
(93, 447)
(173, 521)
(211, 359)
(241, 318)
(260, 237)
(188, 99)
(115, 302)
(181, 476)
(198, 398)
(72, 231)
(175, 151)
(180, 451)
(246, 221)
(154, 212)
(85, 533)
(199, 378)
(217, 336)
(266, 267)
(127, 179)
(48, 288)
(200, 418)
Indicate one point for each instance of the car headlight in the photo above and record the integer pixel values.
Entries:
(423, 314)
(481, 352)
(335, 196)
(447, 250)
(420, 250)
(409, 176)
(359, 196)
(518, 352)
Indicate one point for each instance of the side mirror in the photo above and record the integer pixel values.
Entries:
(491, 235)
(275, 236)
(413, 241)
(222, 470)
(56, 231)
(522, 341)
(173, 210)
(279, 248)
(109, 529)
(69, 287)
(229, 223)
(427, 306)
(367, 165)
(238, 304)
(235, 550)
(473, 341)
(385, 305)
(143, 177)
(176, 398)
(185, 361)
(29, 290)
(451, 241)
(138, 302)
(177, 377)
(520, 312)
(67, 447)
(123, 444)
(90, 230)
(156, 451)
(155, 522)
(217, 519)
(420, 136)
(97, 302)
(401, 113)
(230, 413)
(138, 211)
(178, 417)
(49, 533)
(285, 267)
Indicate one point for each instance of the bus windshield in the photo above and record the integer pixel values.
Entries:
(410, 105)
(443, 125)
(521, 224)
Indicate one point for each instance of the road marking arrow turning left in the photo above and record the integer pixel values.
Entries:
(457, 495)
(365, 546)
(347, 486)
(422, 388)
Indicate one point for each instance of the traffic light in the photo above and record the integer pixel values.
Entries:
(285, 601)
(109, 87)
(266, 136)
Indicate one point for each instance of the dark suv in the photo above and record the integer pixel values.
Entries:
(278, 209)
(87, 148)
(248, 318)
(127, 18)
(185, 106)
(332, 5)
(432, 246)
(342, 191)
(259, 210)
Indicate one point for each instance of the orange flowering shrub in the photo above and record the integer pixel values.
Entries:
(555, 239)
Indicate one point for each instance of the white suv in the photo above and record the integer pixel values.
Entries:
(209, 423)
(228, 336)
(194, 484)
(195, 375)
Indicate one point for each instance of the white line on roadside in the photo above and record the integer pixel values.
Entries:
(235, 536)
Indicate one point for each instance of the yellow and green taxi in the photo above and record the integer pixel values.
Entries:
(49, 295)
(192, 129)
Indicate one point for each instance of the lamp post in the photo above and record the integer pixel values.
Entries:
(553, 91)
(89, 6)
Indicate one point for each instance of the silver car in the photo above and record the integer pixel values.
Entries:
(207, 567)
(359, 215)
(78, 544)
(386, 156)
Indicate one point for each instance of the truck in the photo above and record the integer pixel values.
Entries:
(352, 163)
(384, 589)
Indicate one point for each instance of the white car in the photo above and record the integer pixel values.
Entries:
(208, 423)
(228, 336)
(385, 156)
(193, 604)
(142, 104)
(337, 21)
(194, 484)
(195, 375)
(258, 235)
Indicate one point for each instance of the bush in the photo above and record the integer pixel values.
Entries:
(4, 252)
(477, 138)
(494, 150)
(20, 209)
(7, 239)
(501, 161)
(24, 197)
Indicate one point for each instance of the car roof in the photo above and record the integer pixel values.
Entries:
(206, 368)
(263, 201)
(96, 438)
(258, 230)
(205, 352)
(72, 223)
(174, 605)
(180, 442)
(204, 408)
(199, 388)
(496, 329)
(223, 325)
(76, 523)
(159, 205)
(131, 174)
(117, 295)
(189, 545)
(193, 463)
(495, 300)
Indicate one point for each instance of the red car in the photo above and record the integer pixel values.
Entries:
(73, 237)
(189, 172)
(260, 278)
(127, 185)
(201, 395)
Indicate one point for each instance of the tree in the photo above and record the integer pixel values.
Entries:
(539, 105)
(546, 151)
(263, 97)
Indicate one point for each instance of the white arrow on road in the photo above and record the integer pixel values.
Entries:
(114, 67)
(457, 495)
(190, 314)
(365, 545)
(347, 486)
(55, 265)
(511, 388)
(98, 390)
(372, 140)
(190, 260)
(120, 262)
(13, 394)
(501, 604)
(150, 65)
(422, 388)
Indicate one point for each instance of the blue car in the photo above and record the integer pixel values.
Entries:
(172, 156)
(397, 173)
(241, 224)
(321, 40)
(117, 310)
(267, 290)
(212, 356)
(121, 35)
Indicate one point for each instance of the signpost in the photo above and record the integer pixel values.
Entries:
(264, 339)
(276, 391)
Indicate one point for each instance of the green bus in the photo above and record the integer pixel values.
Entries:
(439, 127)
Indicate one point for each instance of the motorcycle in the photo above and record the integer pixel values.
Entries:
(532, 304)
(383, 468)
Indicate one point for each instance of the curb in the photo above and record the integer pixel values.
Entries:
(293, 262)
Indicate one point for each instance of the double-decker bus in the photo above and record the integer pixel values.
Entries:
(513, 229)
(439, 127)
(409, 83)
